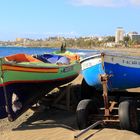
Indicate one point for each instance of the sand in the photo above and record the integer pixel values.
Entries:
(56, 125)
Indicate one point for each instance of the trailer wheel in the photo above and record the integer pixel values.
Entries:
(128, 116)
(85, 109)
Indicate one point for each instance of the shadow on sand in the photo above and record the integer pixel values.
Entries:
(51, 118)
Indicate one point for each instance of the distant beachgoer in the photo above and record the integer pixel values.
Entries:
(63, 48)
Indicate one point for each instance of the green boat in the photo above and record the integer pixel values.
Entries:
(25, 79)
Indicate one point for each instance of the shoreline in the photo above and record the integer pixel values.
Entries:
(74, 47)
(78, 48)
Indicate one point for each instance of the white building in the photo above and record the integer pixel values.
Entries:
(119, 34)
(134, 36)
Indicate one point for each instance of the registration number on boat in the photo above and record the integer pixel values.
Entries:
(67, 69)
(91, 62)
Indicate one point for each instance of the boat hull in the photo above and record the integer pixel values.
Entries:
(91, 70)
(29, 82)
(28, 93)
(124, 71)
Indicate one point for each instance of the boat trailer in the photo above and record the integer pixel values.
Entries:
(126, 116)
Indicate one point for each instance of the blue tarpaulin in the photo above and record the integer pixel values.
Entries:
(51, 58)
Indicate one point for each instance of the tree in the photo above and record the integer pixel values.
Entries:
(126, 39)
(110, 39)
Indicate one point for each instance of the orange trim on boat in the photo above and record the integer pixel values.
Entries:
(22, 58)
(28, 69)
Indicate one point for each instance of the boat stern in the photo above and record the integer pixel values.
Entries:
(92, 68)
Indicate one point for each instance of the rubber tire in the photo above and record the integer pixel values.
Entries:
(85, 108)
(128, 116)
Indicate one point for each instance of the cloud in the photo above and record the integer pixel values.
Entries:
(100, 3)
(106, 3)
(135, 2)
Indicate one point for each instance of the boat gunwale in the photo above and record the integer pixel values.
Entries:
(121, 55)
(109, 54)
(38, 64)
(90, 57)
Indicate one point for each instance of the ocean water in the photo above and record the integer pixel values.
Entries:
(8, 50)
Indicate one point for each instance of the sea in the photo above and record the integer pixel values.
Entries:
(9, 50)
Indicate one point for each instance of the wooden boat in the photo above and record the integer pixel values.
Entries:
(25, 79)
(123, 70)
(111, 72)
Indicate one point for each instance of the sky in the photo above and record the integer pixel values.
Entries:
(69, 18)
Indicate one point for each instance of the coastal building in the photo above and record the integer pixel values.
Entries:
(110, 44)
(19, 39)
(134, 36)
(101, 38)
(119, 35)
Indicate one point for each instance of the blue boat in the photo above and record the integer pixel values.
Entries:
(109, 72)
(123, 70)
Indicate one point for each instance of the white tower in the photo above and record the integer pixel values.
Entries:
(119, 34)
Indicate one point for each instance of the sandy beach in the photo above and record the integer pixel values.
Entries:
(56, 124)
